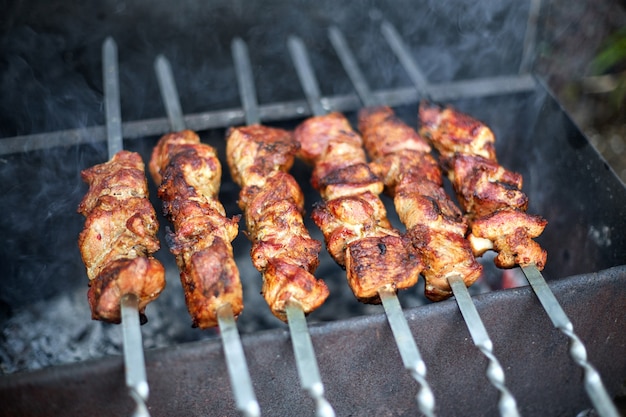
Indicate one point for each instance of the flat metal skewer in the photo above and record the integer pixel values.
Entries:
(240, 380)
(593, 383)
(409, 352)
(306, 362)
(134, 363)
(495, 373)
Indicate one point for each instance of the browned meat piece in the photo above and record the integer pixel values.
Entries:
(352, 218)
(119, 237)
(453, 132)
(510, 232)
(434, 224)
(282, 250)
(188, 174)
(490, 195)
(483, 186)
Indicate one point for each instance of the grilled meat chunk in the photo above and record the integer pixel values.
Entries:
(434, 224)
(490, 195)
(282, 250)
(119, 237)
(188, 174)
(352, 218)
(453, 132)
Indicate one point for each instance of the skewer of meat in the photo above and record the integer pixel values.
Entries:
(259, 158)
(188, 175)
(593, 383)
(353, 219)
(496, 209)
(119, 239)
(435, 225)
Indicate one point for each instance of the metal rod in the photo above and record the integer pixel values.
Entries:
(495, 373)
(134, 363)
(169, 93)
(279, 111)
(245, 79)
(399, 327)
(308, 370)
(593, 383)
(240, 380)
(350, 65)
(236, 361)
(404, 55)
(300, 59)
(409, 353)
(111, 82)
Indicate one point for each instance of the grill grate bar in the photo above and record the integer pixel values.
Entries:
(272, 112)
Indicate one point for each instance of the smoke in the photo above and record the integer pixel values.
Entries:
(50, 78)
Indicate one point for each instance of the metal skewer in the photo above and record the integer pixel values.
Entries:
(240, 380)
(593, 384)
(134, 363)
(306, 362)
(409, 352)
(495, 373)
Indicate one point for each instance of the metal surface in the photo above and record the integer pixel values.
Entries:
(240, 381)
(192, 378)
(134, 363)
(593, 383)
(310, 378)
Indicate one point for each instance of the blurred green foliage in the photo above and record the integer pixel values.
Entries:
(612, 59)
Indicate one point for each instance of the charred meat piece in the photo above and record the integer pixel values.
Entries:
(490, 195)
(119, 237)
(188, 174)
(282, 250)
(434, 224)
(454, 132)
(352, 217)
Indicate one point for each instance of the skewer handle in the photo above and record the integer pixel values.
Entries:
(169, 93)
(134, 363)
(236, 362)
(495, 373)
(305, 359)
(411, 357)
(593, 383)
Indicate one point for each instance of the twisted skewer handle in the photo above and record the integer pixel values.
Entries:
(411, 357)
(593, 383)
(306, 362)
(495, 373)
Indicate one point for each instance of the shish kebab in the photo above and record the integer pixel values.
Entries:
(259, 158)
(481, 239)
(434, 224)
(353, 219)
(120, 237)
(188, 175)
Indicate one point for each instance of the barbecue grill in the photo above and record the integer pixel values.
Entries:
(475, 57)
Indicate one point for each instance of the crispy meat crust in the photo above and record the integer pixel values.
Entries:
(282, 250)
(119, 237)
(188, 174)
(490, 195)
(352, 218)
(434, 224)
